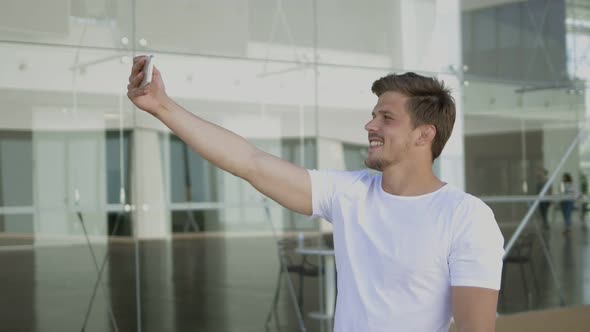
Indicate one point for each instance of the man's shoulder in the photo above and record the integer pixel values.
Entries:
(465, 203)
(455, 196)
(347, 183)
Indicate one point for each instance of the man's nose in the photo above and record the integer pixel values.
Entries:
(370, 126)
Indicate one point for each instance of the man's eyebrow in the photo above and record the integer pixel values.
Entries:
(382, 111)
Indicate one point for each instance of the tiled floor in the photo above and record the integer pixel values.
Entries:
(212, 284)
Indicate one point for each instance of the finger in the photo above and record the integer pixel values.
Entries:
(139, 57)
(136, 81)
(133, 93)
(137, 67)
(134, 74)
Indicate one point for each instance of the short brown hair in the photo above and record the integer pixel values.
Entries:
(430, 102)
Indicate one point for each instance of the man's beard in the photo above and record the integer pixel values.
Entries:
(376, 164)
(379, 163)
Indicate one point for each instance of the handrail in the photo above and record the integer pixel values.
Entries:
(529, 198)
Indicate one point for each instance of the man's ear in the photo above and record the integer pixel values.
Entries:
(427, 133)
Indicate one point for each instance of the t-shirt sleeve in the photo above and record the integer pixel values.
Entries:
(477, 246)
(324, 185)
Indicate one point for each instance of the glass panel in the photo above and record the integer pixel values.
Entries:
(386, 34)
(293, 78)
(16, 183)
(516, 40)
(77, 23)
(264, 103)
(264, 29)
(217, 219)
(343, 32)
(62, 163)
(511, 135)
(525, 105)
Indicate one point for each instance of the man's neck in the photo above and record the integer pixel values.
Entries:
(410, 180)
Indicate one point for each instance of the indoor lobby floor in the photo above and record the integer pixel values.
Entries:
(214, 284)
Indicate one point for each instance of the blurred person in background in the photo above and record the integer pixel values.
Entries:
(569, 193)
(583, 199)
(544, 204)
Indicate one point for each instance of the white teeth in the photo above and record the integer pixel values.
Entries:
(375, 143)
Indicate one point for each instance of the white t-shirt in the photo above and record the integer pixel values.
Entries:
(398, 256)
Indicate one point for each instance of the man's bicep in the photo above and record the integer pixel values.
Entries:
(283, 182)
(475, 257)
(474, 308)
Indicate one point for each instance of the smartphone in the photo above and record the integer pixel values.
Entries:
(148, 68)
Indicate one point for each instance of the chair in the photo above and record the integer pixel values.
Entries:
(521, 255)
(303, 268)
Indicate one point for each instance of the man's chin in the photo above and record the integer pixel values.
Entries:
(376, 165)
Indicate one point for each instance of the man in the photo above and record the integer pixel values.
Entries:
(583, 198)
(544, 204)
(411, 250)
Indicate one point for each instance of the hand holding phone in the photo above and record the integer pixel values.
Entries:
(147, 71)
(145, 94)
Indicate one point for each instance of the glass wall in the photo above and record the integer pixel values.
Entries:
(525, 102)
(65, 146)
(107, 213)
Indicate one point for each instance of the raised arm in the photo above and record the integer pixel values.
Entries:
(284, 182)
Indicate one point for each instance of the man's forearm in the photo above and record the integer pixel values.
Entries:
(218, 145)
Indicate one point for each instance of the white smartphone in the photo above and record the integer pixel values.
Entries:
(148, 68)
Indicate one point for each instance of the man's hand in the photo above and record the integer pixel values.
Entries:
(150, 98)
